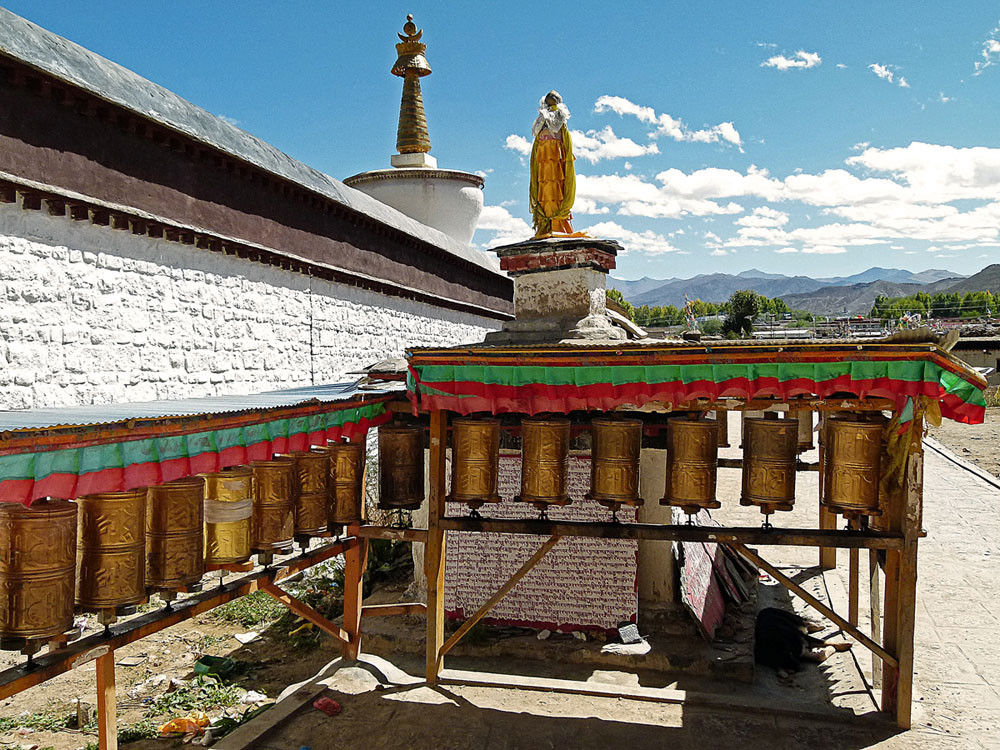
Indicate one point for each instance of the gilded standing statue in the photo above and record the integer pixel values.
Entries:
(553, 178)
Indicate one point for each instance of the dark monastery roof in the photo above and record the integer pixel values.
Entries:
(78, 123)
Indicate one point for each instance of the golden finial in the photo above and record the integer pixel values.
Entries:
(411, 65)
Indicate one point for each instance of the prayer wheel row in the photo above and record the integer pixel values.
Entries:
(105, 551)
(771, 448)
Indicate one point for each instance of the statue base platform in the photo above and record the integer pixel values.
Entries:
(560, 290)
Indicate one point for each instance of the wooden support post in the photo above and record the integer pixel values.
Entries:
(434, 550)
(816, 604)
(107, 706)
(875, 612)
(500, 594)
(853, 584)
(355, 562)
(305, 612)
(907, 602)
(889, 629)
(827, 519)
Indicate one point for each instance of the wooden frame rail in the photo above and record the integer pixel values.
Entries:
(846, 539)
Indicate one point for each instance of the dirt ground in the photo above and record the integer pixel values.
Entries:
(979, 443)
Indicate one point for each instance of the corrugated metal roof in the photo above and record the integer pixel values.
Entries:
(106, 414)
(69, 62)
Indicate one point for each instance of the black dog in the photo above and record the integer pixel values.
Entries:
(782, 641)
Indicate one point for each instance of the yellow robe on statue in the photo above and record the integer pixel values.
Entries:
(553, 183)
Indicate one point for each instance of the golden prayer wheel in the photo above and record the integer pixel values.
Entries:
(228, 510)
(111, 550)
(769, 464)
(744, 416)
(692, 464)
(614, 465)
(400, 467)
(805, 434)
(310, 482)
(544, 462)
(273, 524)
(347, 471)
(475, 459)
(852, 465)
(175, 533)
(37, 570)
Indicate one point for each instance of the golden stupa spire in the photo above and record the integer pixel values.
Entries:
(411, 65)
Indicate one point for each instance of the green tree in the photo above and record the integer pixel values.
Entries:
(617, 296)
(743, 307)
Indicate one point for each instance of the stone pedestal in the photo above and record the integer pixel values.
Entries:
(559, 290)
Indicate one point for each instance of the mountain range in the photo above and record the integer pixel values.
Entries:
(824, 296)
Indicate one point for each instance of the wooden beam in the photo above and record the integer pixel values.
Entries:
(875, 613)
(816, 604)
(77, 653)
(827, 519)
(107, 705)
(500, 594)
(355, 563)
(304, 611)
(907, 603)
(737, 463)
(387, 610)
(434, 550)
(681, 532)
(393, 534)
(853, 574)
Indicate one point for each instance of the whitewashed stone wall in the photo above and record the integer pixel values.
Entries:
(89, 314)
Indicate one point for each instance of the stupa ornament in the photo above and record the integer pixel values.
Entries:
(553, 178)
(447, 199)
(411, 65)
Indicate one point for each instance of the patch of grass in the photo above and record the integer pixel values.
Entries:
(200, 696)
(252, 610)
(46, 722)
(144, 729)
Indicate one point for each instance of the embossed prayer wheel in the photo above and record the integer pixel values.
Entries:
(272, 527)
(228, 511)
(852, 466)
(769, 464)
(805, 435)
(111, 550)
(310, 482)
(614, 465)
(692, 464)
(37, 570)
(544, 461)
(347, 471)
(475, 461)
(175, 533)
(400, 467)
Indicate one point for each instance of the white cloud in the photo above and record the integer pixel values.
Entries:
(800, 59)
(782, 250)
(507, 228)
(635, 197)
(648, 242)
(667, 125)
(764, 216)
(231, 120)
(823, 250)
(990, 51)
(944, 99)
(886, 73)
(719, 251)
(595, 145)
(519, 144)
(841, 66)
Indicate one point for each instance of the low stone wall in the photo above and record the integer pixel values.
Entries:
(90, 314)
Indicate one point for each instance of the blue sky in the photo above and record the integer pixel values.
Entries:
(818, 138)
